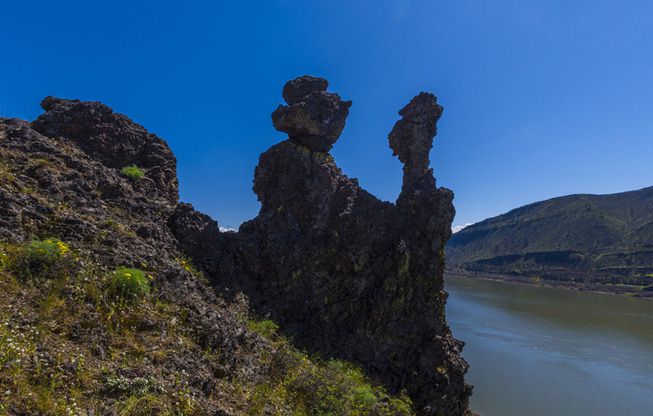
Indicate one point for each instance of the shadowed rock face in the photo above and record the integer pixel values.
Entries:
(345, 274)
(298, 88)
(110, 138)
(313, 117)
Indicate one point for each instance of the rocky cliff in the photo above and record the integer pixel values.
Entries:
(116, 299)
(343, 273)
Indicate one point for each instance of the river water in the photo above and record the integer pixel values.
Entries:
(537, 351)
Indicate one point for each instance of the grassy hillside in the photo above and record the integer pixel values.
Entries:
(604, 239)
(76, 339)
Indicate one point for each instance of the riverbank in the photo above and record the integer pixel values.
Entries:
(622, 290)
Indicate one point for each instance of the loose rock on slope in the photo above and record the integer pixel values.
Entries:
(343, 273)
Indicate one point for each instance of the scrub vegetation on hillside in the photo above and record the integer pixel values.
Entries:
(49, 294)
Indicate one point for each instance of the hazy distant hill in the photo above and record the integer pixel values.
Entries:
(591, 238)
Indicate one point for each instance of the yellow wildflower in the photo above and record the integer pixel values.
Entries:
(63, 248)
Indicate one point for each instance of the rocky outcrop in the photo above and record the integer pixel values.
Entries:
(343, 273)
(60, 177)
(112, 139)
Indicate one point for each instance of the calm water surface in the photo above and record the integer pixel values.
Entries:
(553, 352)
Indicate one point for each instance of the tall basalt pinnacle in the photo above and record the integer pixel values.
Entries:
(343, 273)
(428, 209)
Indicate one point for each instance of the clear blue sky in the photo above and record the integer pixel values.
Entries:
(542, 98)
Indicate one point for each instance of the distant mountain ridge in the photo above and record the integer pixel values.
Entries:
(601, 239)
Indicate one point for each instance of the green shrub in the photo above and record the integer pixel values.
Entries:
(342, 388)
(266, 328)
(48, 259)
(129, 284)
(133, 172)
(5, 171)
(310, 385)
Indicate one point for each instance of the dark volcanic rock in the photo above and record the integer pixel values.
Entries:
(298, 88)
(314, 118)
(200, 234)
(58, 178)
(111, 138)
(411, 138)
(346, 274)
(54, 185)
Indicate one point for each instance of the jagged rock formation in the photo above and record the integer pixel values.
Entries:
(343, 273)
(59, 178)
(179, 349)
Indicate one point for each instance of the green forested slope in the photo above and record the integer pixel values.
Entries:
(599, 238)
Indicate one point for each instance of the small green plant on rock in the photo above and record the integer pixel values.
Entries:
(47, 259)
(136, 386)
(133, 172)
(185, 404)
(129, 284)
(5, 171)
(265, 328)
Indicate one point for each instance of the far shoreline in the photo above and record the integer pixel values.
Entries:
(634, 292)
